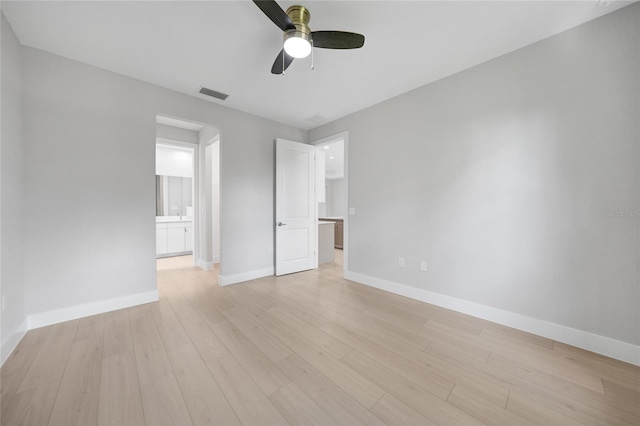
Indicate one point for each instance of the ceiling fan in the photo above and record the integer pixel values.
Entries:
(298, 37)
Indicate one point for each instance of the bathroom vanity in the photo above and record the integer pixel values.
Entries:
(174, 235)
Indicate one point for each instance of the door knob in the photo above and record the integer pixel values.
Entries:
(281, 224)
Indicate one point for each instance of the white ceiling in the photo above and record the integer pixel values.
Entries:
(229, 46)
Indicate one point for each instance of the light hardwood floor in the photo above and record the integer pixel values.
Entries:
(308, 348)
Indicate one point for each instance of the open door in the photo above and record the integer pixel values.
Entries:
(295, 207)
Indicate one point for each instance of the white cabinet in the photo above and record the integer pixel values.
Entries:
(174, 238)
(188, 238)
(161, 238)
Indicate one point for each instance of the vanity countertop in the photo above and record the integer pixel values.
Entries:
(331, 218)
(325, 222)
(167, 219)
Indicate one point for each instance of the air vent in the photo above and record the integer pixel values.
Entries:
(318, 119)
(213, 93)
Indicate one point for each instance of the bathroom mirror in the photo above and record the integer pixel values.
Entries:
(173, 195)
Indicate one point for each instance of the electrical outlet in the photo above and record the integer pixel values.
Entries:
(401, 262)
(423, 266)
(352, 211)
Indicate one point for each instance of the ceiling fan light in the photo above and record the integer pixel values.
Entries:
(297, 44)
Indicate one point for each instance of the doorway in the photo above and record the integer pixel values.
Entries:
(174, 198)
(333, 201)
(188, 192)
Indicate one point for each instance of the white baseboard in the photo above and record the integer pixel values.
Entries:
(205, 266)
(178, 253)
(617, 349)
(208, 266)
(10, 342)
(80, 311)
(245, 276)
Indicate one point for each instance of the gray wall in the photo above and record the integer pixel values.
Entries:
(501, 176)
(89, 198)
(11, 168)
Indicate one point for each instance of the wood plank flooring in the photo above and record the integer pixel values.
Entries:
(303, 349)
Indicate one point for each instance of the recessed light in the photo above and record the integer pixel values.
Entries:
(331, 158)
(326, 147)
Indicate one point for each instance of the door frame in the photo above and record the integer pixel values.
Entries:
(329, 139)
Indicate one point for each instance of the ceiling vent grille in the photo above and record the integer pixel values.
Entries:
(213, 93)
(318, 119)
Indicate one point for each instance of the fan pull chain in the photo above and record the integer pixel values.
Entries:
(312, 67)
(283, 54)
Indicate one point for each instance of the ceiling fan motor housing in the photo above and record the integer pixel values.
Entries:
(299, 41)
(300, 16)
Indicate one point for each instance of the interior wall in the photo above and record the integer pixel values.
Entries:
(338, 191)
(11, 199)
(516, 180)
(206, 200)
(215, 202)
(90, 183)
(323, 207)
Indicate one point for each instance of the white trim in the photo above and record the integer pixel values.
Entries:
(80, 311)
(245, 276)
(176, 254)
(617, 349)
(174, 143)
(10, 342)
(208, 266)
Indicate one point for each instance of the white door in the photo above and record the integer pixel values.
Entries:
(295, 207)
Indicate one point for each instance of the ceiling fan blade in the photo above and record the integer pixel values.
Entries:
(276, 14)
(337, 40)
(277, 67)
